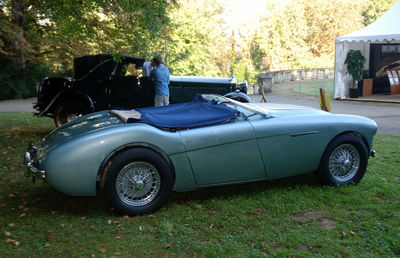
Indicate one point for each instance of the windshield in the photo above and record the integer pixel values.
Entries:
(245, 109)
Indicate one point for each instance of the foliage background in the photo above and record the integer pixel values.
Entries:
(198, 37)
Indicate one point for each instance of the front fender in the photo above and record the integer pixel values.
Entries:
(73, 167)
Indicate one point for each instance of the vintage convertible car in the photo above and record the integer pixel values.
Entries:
(138, 157)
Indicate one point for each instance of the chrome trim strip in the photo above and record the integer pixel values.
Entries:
(35, 172)
(303, 133)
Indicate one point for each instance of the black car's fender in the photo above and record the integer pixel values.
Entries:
(68, 94)
(239, 96)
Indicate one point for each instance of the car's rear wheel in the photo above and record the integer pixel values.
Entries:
(344, 161)
(137, 181)
(68, 111)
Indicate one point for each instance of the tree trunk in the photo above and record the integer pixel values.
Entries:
(18, 9)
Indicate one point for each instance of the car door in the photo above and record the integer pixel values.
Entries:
(290, 146)
(175, 90)
(124, 91)
(224, 153)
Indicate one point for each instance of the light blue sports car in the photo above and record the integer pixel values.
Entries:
(138, 157)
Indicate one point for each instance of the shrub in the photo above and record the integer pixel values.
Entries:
(16, 84)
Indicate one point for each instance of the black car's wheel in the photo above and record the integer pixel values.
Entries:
(137, 181)
(68, 111)
(344, 161)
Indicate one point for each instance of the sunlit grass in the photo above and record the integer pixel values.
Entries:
(291, 217)
(312, 87)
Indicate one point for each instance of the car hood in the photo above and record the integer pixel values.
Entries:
(78, 127)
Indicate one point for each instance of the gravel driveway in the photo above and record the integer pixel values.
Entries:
(17, 105)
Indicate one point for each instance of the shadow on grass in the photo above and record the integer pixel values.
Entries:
(225, 192)
(41, 199)
(16, 137)
(34, 134)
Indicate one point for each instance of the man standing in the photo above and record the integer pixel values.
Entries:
(159, 76)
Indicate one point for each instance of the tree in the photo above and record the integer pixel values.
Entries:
(375, 9)
(196, 43)
(54, 31)
(302, 33)
(329, 19)
(279, 42)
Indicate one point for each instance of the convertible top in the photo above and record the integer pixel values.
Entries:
(180, 116)
(103, 64)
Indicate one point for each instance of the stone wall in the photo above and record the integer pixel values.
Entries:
(266, 80)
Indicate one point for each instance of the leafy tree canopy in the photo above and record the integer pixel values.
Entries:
(66, 28)
(196, 37)
(52, 32)
(375, 9)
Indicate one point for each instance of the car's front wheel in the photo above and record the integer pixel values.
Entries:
(344, 161)
(137, 181)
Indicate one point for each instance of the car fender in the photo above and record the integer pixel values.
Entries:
(298, 143)
(92, 151)
(239, 96)
(57, 99)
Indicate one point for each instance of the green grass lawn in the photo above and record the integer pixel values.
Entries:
(291, 217)
(312, 87)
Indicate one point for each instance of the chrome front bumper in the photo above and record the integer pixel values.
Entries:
(31, 160)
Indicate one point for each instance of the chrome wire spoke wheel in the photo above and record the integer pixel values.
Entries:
(138, 183)
(344, 162)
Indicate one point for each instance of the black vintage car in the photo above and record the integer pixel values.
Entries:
(104, 81)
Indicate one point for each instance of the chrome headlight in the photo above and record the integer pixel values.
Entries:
(32, 162)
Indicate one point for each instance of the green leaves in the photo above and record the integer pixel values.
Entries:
(63, 28)
(199, 37)
(53, 32)
(376, 8)
(355, 64)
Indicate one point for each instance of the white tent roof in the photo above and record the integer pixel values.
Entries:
(387, 27)
(384, 29)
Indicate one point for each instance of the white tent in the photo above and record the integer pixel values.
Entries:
(386, 29)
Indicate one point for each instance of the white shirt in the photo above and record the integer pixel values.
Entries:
(147, 67)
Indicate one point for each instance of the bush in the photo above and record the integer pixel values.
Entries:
(16, 84)
(245, 72)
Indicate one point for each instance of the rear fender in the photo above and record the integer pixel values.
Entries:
(67, 94)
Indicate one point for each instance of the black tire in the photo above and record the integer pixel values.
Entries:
(137, 181)
(344, 161)
(69, 110)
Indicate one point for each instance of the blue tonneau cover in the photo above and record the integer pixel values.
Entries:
(187, 115)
